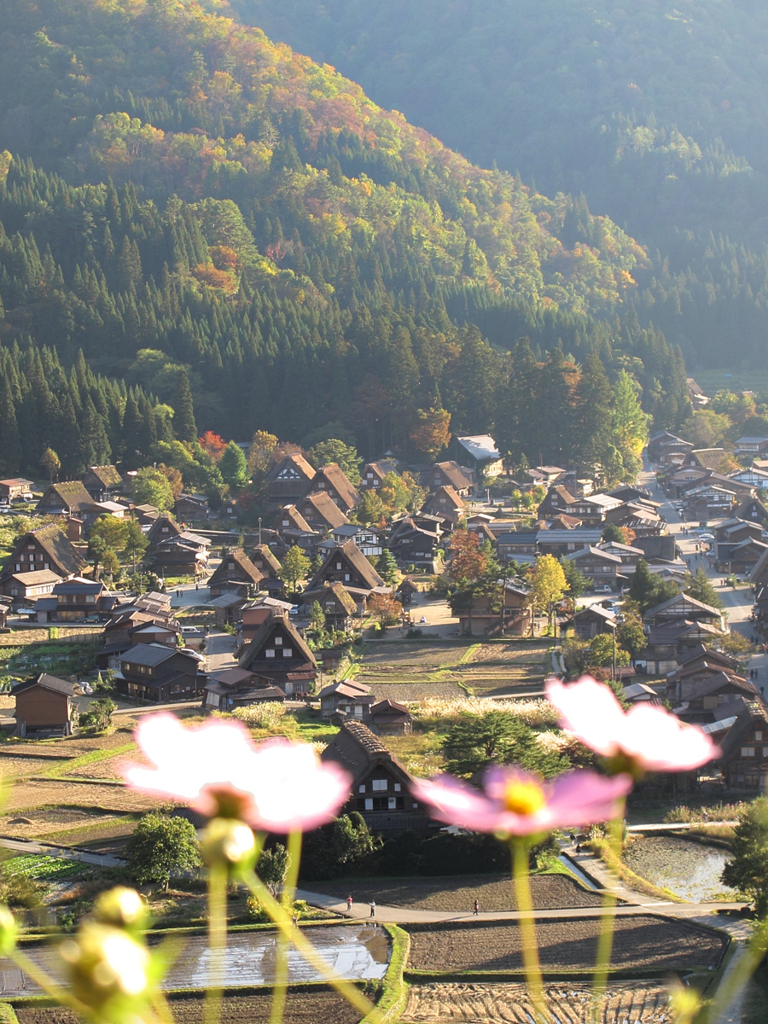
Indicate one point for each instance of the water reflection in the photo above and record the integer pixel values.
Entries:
(688, 869)
(357, 952)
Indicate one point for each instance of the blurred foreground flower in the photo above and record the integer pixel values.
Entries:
(109, 971)
(518, 803)
(278, 786)
(643, 739)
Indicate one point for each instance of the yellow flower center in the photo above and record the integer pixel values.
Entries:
(523, 797)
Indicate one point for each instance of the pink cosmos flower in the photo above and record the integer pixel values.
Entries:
(277, 786)
(520, 803)
(649, 737)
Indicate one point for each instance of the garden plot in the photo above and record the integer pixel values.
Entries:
(499, 668)
(641, 941)
(303, 1006)
(458, 892)
(443, 668)
(510, 1004)
(43, 793)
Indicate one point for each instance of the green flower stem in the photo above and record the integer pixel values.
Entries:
(522, 882)
(733, 983)
(217, 941)
(607, 921)
(286, 902)
(48, 985)
(283, 921)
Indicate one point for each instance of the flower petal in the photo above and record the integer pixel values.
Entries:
(590, 711)
(659, 741)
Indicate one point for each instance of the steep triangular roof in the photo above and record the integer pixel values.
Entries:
(326, 509)
(335, 477)
(263, 552)
(71, 493)
(358, 750)
(242, 563)
(107, 476)
(356, 559)
(263, 634)
(64, 559)
(293, 467)
(163, 528)
(295, 517)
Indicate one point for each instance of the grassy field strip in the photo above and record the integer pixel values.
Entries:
(74, 833)
(469, 654)
(92, 757)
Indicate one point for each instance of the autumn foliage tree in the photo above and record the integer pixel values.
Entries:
(431, 431)
(548, 584)
(213, 444)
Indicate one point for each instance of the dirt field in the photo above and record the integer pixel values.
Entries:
(458, 892)
(509, 1004)
(642, 941)
(414, 670)
(302, 1007)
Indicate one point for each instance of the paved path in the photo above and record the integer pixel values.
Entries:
(677, 826)
(31, 846)
(408, 915)
(219, 652)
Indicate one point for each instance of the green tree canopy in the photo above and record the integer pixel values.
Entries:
(747, 870)
(498, 737)
(161, 847)
(151, 487)
(295, 567)
(233, 466)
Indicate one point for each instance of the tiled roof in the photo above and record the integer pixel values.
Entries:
(47, 683)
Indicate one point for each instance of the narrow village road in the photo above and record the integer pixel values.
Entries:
(219, 652)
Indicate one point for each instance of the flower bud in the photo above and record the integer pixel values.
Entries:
(9, 930)
(685, 1003)
(108, 970)
(229, 842)
(121, 907)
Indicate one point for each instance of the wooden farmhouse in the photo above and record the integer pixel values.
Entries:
(236, 573)
(449, 474)
(158, 674)
(279, 652)
(683, 606)
(321, 512)
(235, 688)
(349, 566)
(333, 481)
(373, 474)
(289, 480)
(599, 566)
(338, 605)
(67, 498)
(414, 539)
(174, 551)
(389, 718)
(16, 487)
(44, 707)
(380, 784)
(744, 750)
(76, 600)
(103, 482)
(46, 549)
(346, 699)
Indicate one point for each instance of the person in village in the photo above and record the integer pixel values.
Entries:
(373, 908)
(476, 910)
(350, 901)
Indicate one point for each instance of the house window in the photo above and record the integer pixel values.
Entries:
(379, 785)
(747, 751)
(358, 710)
(758, 735)
(270, 652)
(765, 751)
(338, 565)
(286, 522)
(369, 803)
(361, 789)
(391, 804)
(18, 567)
(397, 787)
(346, 577)
(287, 652)
(278, 641)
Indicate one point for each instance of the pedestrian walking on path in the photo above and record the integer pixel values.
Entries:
(476, 911)
(350, 901)
(373, 908)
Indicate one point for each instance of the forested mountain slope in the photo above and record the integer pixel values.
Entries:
(655, 111)
(181, 198)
